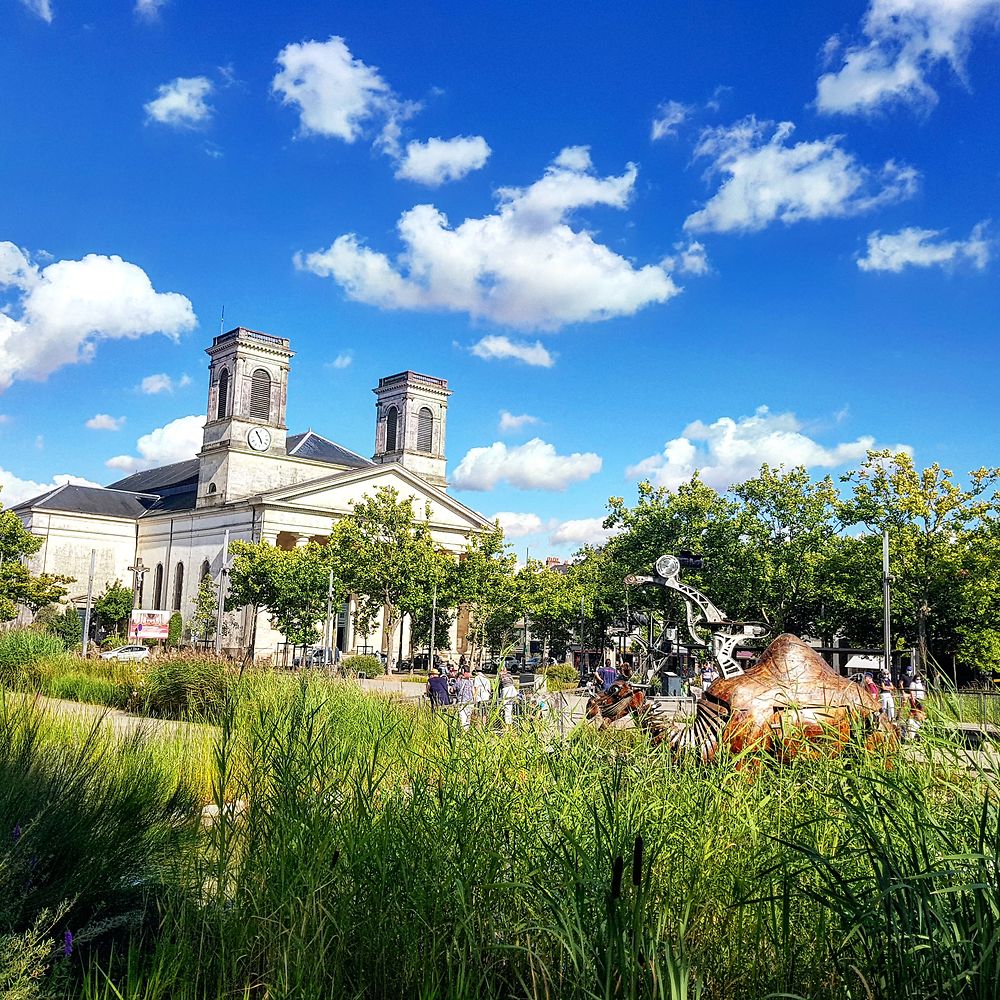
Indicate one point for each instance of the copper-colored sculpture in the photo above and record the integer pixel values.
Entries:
(790, 703)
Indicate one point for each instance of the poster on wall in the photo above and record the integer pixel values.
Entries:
(149, 625)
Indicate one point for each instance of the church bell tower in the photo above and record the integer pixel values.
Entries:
(411, 411)
(247, 396)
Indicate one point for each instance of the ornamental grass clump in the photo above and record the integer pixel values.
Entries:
(89, 829)
(182, 686)
(20, 652)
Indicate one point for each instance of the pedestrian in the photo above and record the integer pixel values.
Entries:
(508, 695)
(606, 675)
(917, 692)
(482, 693)
(464, 698)
(870, 686)
(437, 689)
(887, 701)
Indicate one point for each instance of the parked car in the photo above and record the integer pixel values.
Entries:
(316, 658)
(127, 653)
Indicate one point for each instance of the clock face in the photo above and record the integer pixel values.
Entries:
(259, 439)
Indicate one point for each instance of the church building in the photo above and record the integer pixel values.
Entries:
(254, 481)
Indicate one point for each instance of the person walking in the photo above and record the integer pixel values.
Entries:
(437, 690)
(482, 694)
(887, 700)
(606, 675)
(508, 695)
(464, 698)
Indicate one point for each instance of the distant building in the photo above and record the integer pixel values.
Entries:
(256, 481)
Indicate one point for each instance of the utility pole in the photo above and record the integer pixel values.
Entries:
(886, 602)
(221, 606)
(90, 598)
(434, 606)
(328, 629)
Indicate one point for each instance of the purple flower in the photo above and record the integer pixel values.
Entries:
(67, 944)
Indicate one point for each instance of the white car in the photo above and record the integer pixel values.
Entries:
(127, 653)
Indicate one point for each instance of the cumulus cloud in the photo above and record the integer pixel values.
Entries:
(690, 258)
(343, 360)
(669, 116)
(105, 422)
(729, 451)
(583, 531)
(174, 442)
(496, 347)
(524, 266)
(913, 247)
(335, 94)
(903, 42)
(14, 490)
(182, 103)
(518, 525)
(767, 179)
(515, 422)
(534, 465)
(149, 10)
(41, 8)
(56, 315)
(439, 160)
(152, 385)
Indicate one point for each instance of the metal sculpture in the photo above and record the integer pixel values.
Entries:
(725, 634)
(789, 703)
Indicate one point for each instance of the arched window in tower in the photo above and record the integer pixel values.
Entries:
(158, 587)
(260, 395)
(391, 428)
(205, 570)
(425, 429)
(223, 409)
(178, 586)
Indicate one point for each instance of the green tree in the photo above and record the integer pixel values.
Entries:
(175, 629)
(68, 627)
(386, 557)
(487, 589)
(291, 585)
(441, 580)
(932, 522)
(206, 606)
(18, 586)
(114, 606)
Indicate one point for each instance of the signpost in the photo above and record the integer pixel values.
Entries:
(149, 624)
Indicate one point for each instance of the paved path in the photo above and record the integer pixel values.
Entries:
(121, 722)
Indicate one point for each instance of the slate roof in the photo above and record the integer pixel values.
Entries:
(173, 488)
(92, 500)
(319, 449)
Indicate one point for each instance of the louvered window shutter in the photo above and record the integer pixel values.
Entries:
(391, 428)
(260, 395)
(223, 408)
(425, 430)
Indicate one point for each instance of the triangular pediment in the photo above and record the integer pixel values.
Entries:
(335, 493)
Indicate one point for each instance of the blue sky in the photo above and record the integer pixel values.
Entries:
(697, 235)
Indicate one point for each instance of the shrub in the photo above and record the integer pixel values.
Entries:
(363, 666)
(68, 627)
(561, 676)
(183, 685)
(20, 651)
(113, 641)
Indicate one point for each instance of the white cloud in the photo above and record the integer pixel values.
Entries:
(15, 490)
(518, 525)
(335, 94)
(151, 385)
(524, 266)
(515, 422)
(57, 315)
(499, 348)
(533, 465)
(182, 102)
(149, 10)
(729, 451)
(174, 442)
(105, 422)
(768, 180)
(669, 116)
(913, 247)
(691, 258)
(584, 531)
(342, 360)
(904, 42)
(41, 8)
(439, 160)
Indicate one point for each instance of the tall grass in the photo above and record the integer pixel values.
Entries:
(364, 848)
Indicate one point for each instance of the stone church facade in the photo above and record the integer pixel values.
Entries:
(252, 481)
